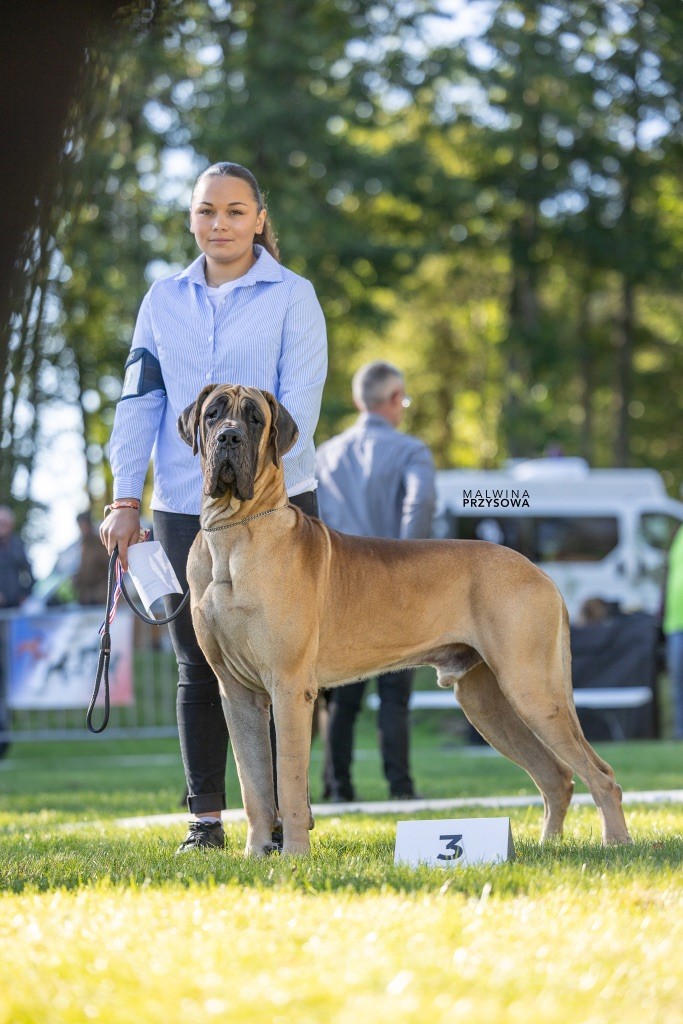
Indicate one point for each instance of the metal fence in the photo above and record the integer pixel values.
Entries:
(48, 664)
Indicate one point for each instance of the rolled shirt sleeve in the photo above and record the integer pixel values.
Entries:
(419, 496)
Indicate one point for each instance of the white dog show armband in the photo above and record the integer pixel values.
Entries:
(142, 374)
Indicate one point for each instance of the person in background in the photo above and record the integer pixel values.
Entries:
(673, 629)
(16, 583)
(16, 577)
(594, 612)
(90, 579)
(236, 316)
(374, 481)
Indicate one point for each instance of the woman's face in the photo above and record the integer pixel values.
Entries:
(224, 219)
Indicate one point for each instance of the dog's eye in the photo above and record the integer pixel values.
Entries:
(255, 416)
(211, 414)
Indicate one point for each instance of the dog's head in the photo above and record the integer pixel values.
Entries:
(238, 431)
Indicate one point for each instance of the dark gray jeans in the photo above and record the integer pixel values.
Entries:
(201, 725)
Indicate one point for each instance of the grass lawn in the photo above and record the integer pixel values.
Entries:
(101, 923)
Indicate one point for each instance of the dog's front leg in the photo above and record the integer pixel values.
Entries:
(247, 713)
(293, 713)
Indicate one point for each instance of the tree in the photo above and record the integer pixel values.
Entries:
(40, 120)
(213, 77)
(499, 216)
(571, 109)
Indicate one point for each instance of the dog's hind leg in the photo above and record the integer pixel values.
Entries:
(247, 713)
(493, 716)
(551, 715)
(554, 723)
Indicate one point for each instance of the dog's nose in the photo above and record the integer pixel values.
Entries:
(229, 437)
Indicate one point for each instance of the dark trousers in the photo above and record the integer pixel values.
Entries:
(393, 726)
(4, 710)
(201, 724)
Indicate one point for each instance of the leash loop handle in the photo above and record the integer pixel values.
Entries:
(105, 654)
(104, 658)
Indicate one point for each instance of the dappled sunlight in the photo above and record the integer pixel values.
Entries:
(340, 957)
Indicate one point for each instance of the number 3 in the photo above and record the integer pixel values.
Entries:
(453, 845)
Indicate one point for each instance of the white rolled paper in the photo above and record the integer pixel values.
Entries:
(151, 572)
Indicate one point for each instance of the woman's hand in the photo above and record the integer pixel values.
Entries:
(122, 527)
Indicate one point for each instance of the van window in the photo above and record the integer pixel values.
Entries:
(515, 532)
(541, 538)
(575, 538)
(658, 529)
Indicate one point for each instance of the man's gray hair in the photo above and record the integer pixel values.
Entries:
(373, 384)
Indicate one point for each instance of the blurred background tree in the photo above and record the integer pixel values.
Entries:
(496, 208)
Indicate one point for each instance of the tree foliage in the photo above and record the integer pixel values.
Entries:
(500, 216)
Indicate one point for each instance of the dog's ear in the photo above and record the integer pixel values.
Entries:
(188, 421)
(283, 429)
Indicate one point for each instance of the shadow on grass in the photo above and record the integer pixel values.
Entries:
(354, 858)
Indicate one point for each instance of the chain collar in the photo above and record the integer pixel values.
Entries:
(257, 515)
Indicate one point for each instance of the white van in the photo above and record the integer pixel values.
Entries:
(596, 532)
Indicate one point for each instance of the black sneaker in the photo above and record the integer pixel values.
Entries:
(203, 835)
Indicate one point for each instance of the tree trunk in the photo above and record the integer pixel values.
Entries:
(44, 49)
(522, 332)
(625, 343)
(586, 373)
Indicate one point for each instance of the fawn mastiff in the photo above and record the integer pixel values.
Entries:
(282, 605)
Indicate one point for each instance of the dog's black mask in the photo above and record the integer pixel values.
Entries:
(232, 438)
(226, 423)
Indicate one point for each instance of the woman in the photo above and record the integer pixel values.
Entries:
(235, 315)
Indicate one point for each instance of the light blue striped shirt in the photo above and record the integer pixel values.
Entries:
(374, 481)
(268, 332)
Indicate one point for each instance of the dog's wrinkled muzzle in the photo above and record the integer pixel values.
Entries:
(228, 466)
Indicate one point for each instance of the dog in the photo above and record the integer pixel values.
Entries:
(282, 605)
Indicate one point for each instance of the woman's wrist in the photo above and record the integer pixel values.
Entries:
(133, 503)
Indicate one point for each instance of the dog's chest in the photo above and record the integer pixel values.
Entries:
(219, 604)
(233, 613)
(238, 637)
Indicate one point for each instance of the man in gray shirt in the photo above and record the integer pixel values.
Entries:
(374, 482)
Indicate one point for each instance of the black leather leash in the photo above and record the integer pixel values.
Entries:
(105, 642)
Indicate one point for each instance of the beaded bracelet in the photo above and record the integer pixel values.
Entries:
(122, 503)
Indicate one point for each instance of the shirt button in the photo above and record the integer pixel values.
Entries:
(208, 376)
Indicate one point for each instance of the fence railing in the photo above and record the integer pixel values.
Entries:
(48, 664)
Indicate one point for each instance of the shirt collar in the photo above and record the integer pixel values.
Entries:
(371, 419)
(266, 268)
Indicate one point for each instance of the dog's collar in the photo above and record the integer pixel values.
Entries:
(238, 522)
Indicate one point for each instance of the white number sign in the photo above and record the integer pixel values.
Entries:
(456, 842)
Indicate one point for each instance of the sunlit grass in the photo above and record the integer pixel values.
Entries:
(353, 852)
(288, 957)
(98, 922)
(111, 926)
